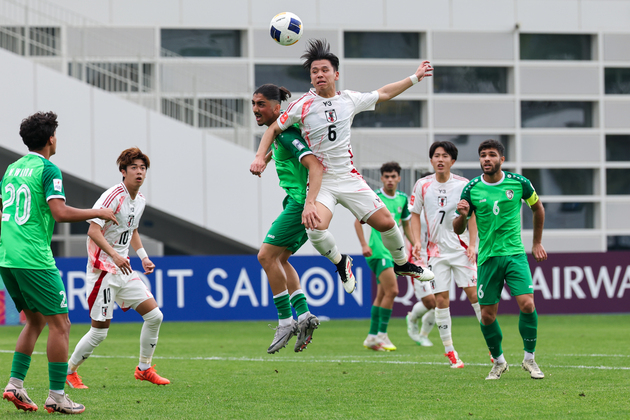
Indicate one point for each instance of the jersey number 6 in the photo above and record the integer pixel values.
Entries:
(332, 134)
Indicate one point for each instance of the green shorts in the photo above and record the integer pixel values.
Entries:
(378, 265)
(287, 231)
(513, 269)
(36, 290)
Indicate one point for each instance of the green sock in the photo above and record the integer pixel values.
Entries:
(528, 326)
(20, 365)
(493, 335)
(57, 375)
(374, 320)
(299, 303)
(283, 305)
(385, 315)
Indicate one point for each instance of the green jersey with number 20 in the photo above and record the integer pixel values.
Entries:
(27, 222)
(498, 210)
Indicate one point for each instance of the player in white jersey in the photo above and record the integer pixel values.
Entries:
(424, 309)
(450, 256)
(110, 279)
(325, 117)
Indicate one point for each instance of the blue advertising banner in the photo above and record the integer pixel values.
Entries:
(213, 288)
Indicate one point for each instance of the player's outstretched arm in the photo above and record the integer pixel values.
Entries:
(95, 233)
(64, 214)
(365, 248)
(416, 231)
(136, 243)
(459, 223)
(392, 90)
(310, 217)
(538, 251)
(258, 165)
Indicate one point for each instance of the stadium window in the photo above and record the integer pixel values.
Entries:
(561, 181)
(202, 42)
(451, 79)
(618, 181)
(114, 77)
(555, 47)
(563, 216)
(618, 148)
(292, 77)
(468, 145)
(617, 81)
(571, 114)
(618, 243)
(381, 45)
(402, 114)
(219, 113)
(44, 41)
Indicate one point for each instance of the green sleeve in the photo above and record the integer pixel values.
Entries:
(405, 212)
(529, 193)
(52, 181)
(292, 141)
(466, 196)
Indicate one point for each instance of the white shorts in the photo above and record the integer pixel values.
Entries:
(422, 288)
(104, 289)
(457, 267)
(351, 191)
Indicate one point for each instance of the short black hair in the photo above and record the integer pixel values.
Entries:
(492, 144)
(273, 92)
(319, 49)
(390, 167)
(37, 129)
(448, 147)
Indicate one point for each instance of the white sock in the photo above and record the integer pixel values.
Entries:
(417, 311)
(477, 309)
(144, 366)
(324, 242)
(395, 244)
(149, 334)
(443, 320)
(500, 359)
(528, 356)
(58, 391)
(85, 347)
(285, 321)
(304, 316)
(428, 321)
(18, 383)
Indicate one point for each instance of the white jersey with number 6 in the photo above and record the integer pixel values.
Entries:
(325, 124)
(439, 202)
(128, 213)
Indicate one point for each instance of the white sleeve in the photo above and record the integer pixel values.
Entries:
(363, 101)
(291, 115)
(99, 205)
(417, 201)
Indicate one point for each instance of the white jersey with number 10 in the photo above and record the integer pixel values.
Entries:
(325, 124)
(128, 213)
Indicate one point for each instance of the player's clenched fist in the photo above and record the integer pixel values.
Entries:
(463, 207)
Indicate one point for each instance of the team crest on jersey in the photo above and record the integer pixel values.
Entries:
(399, 209)
(510, 194)
(130, 221)
(331, 115)
(104, 310)
(442, 201)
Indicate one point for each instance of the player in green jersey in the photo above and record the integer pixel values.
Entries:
(495, 198)
(32, 200)
(380, 260)
(297, 167)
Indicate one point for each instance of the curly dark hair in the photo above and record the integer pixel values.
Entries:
(319, 49)
(37, 129)
(492, 144)
(390, 167)
(127, 157)
(273, 92)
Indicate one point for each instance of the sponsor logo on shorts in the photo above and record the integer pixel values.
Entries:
(104, 310)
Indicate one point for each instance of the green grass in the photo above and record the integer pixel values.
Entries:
(221, 370)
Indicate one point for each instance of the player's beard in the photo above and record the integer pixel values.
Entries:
(495, 168)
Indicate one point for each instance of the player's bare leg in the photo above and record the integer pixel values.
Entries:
(14, 391)
(382, 221)
(148, 340)
(324, 242)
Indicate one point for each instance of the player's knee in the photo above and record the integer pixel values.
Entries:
(528, 307)
(153, 317)
(429, 302)
(487, 319)
(315, 235)
(98, 335)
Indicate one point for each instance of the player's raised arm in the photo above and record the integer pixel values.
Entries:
(392, 90)
(258, 165)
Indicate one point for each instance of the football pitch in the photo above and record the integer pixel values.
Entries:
(221, 370)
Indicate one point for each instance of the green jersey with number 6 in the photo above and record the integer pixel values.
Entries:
(27, 222)
(288, 149)
(498, 210)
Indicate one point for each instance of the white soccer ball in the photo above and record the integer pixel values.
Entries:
(286, 28)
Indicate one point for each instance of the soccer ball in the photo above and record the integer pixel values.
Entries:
(286, 28)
